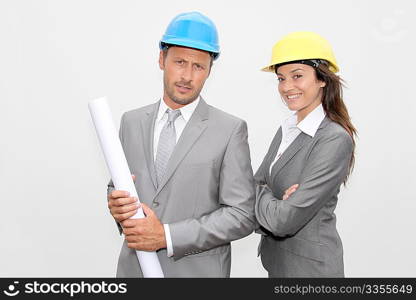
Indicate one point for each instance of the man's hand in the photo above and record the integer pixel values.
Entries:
(147, 234)
(290, 191)
(121, 205)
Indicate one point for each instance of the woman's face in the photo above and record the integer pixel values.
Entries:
(299, 88)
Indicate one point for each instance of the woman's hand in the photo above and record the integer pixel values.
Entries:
(290, 191)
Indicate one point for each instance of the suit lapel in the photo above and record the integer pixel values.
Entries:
(148, 127)
(272, 153)
(290, 152)
(296, 145)
(192, 131)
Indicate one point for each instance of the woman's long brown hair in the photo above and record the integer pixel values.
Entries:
(334, 106)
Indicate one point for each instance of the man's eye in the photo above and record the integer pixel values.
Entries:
(179, 62)
(280, 79)
(297, 76)
(199, 67)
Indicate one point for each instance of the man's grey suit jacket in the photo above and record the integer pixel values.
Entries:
(299, 234)
(207, 195)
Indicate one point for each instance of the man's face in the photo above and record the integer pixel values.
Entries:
(185, 72)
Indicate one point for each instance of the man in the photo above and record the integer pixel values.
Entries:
(191, 164)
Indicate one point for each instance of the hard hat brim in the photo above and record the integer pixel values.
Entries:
(270, 67)
(190, 44)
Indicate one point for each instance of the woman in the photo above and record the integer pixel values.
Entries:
(311, 155)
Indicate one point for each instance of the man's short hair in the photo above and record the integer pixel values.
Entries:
(165, 48)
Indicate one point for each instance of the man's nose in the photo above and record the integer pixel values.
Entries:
(187, 73)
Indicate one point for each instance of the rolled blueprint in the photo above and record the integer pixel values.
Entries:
(120, 172)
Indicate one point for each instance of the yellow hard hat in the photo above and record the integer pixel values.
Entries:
(302, 45)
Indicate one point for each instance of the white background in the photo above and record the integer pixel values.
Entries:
(55, 56)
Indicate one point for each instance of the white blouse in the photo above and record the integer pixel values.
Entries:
(290, 130)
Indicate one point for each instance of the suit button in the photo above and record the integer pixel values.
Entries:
(155, 204)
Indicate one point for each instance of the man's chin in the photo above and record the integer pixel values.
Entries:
(185, 101)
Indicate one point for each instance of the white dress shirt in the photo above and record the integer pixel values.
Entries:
(290, 129)
(180, 123)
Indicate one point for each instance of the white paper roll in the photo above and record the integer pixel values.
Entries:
(120, 172)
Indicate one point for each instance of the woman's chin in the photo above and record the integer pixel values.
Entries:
(293, 107)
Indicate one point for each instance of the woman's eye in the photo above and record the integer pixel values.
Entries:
(280, 79)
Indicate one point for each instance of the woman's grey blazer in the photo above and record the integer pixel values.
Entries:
(299, 236)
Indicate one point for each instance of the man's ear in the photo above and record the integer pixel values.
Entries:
(211, 63)
(161, 60)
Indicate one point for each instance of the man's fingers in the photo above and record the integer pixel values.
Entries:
(131, 223)
(128, 223)
(131, 238)
(127, 231)
(122, 201)
(147, 210)
(125, 208)
(123, 217)
(137, 230)
(119, 194)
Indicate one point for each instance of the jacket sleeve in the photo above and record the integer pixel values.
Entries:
(324, 172)
(235, 218)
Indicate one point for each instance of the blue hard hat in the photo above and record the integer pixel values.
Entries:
(193, 30)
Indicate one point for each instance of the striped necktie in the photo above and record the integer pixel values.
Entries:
(167, 142)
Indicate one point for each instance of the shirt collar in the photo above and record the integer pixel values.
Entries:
(162, 110)
(186, 111)
(311, 123)
(189, 109)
